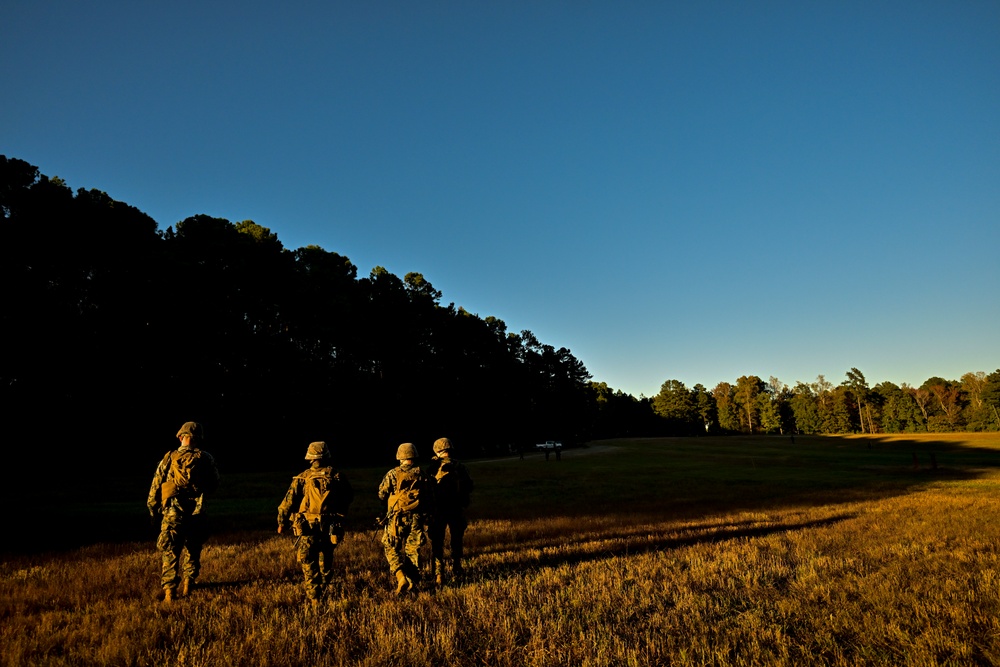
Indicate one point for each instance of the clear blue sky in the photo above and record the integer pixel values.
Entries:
(672, 190)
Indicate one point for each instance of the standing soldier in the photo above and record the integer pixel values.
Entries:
(406, 490)
(179, 486)
(452, 488)
(315, 504)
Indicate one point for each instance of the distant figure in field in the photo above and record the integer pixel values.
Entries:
(176, 497)
(452, 489)
(407, 491)
(314, 506)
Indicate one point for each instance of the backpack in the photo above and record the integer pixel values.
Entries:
(449, 482)
(183, 474)
(320, 495)
(453, 486)
(407, 496)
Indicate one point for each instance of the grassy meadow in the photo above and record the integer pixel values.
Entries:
(849, 551)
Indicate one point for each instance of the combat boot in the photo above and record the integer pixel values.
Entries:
(168, 595)
(402, 583)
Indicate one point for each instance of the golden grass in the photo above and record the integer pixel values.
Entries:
(904, 578)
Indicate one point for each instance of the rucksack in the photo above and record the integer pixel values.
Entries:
(449, 482)
(407, 496)
(320, 495)
(183, 475)
(453, 485)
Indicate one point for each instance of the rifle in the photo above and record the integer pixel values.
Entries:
(379, 525)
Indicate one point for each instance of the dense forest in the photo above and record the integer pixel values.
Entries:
(117, 331)
(754, 406)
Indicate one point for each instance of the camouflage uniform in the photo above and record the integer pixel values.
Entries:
(404, 532)
(182, 525)
(451, 498)
(317, 536)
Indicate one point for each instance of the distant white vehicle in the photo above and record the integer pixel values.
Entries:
(549, 444)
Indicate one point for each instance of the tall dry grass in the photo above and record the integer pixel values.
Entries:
(906, 573)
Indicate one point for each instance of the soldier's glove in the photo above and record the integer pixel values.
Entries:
(281, 529)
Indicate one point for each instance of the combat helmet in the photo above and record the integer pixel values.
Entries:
(442, 445)
(407, 450)
(317, 450)
(194, 429)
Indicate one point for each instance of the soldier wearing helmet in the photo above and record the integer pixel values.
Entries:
(406, 491)
(314, 507)
(176, 497)
(452, 489)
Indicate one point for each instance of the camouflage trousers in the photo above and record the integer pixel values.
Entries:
(402, 539)
(315, 555)
(180, 532)
(454, 523)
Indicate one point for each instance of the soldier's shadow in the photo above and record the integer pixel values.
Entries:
(223, 586)
(553, 551)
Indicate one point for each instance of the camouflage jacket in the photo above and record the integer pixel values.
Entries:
(154, 503)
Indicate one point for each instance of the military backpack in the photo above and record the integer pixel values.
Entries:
(184, 476)
(407, 496)
(321, 494)
(449, 488)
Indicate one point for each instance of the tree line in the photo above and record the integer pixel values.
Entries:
(971, 403)
(117, 331)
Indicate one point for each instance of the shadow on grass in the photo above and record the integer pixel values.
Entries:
(637, 540)
(223, 586)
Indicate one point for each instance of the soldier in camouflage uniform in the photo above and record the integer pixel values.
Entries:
(177, 495)
(452, 488)
(318, 528)
(405, 489)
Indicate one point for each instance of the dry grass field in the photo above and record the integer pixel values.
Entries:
(704, 551)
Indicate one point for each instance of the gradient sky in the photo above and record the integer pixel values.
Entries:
(672, 190)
